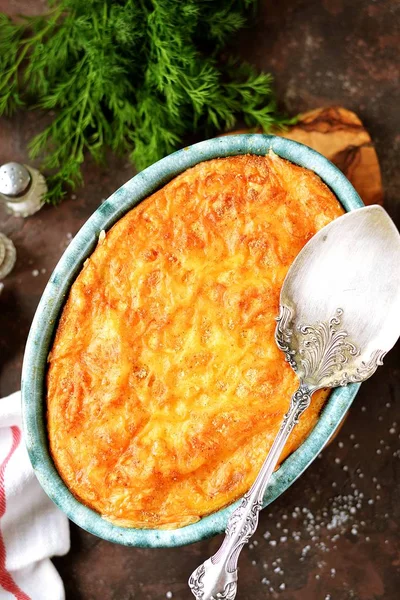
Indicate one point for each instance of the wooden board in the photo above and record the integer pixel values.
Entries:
(339, 134)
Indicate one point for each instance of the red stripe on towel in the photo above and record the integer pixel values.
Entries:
(6, 580)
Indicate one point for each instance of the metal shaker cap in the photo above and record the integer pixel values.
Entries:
(14, 179)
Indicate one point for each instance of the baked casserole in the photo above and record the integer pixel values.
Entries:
(165, 387)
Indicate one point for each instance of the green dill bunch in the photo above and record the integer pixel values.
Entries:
(135, 76)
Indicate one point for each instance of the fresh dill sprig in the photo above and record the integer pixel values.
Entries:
(135, 76)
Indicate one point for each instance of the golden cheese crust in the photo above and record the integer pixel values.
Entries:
(165, 385)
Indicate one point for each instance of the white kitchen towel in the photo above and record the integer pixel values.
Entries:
(32, 528)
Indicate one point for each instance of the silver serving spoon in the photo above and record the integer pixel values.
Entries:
(339, 316)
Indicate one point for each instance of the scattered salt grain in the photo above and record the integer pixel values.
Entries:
(168, 595)
(35, 272)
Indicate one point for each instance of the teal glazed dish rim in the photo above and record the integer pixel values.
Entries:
(52, 302)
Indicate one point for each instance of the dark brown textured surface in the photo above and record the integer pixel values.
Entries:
(342, 52)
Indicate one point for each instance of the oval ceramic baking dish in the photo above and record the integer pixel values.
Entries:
(52, 301)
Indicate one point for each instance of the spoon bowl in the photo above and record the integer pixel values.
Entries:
(340, 301)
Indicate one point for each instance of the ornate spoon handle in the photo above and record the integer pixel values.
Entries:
(216, 578)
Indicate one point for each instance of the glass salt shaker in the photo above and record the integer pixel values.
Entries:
(22, 189)
(8, 256)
